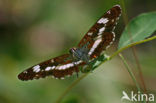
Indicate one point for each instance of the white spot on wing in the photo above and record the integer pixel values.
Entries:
(63, 67)
(53, 67)
(90, 33)
(96, 43)
(113, 36)
(101, 30)
(103, 21)
(113, 28)
(36, 68)
(52, 60)
(25, 72)
(107, 46)
(108, 12)
(48, 68)
(78, 62)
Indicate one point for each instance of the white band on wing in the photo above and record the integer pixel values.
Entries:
(63, 67)
(96, 43)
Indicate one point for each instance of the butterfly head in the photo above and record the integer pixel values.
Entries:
(76, 53)
(73, 51)
(79, 54)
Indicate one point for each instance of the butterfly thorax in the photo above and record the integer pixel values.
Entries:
(79, 54)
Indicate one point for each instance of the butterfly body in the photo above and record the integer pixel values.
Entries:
(80, 54)
(96, 40)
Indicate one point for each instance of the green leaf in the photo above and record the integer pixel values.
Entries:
(138, 29)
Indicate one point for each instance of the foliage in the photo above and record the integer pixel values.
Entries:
(138, 29)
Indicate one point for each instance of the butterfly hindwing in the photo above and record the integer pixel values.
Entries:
(101, 34)
(58, 67)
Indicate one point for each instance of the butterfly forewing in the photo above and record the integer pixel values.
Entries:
(101, 34)
(58, 67)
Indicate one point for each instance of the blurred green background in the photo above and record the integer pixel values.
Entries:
(32, 31)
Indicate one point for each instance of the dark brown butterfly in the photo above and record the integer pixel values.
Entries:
(96, 40)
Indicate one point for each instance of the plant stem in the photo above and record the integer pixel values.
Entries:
(139, 69)
(125, 18)
(130, 72)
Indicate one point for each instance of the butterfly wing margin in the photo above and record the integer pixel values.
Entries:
(104, 26)
(58, 67)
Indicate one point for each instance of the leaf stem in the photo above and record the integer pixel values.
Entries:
(125, 17)
(130, 72)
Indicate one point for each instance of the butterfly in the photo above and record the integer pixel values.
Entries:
(95, 41)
